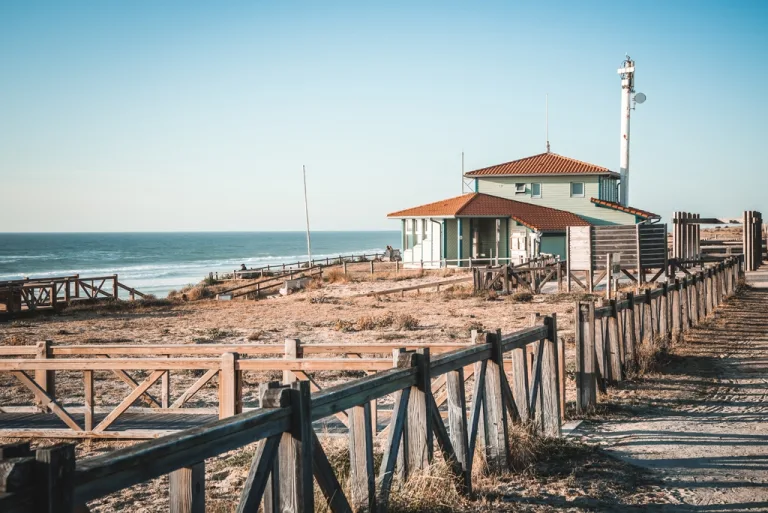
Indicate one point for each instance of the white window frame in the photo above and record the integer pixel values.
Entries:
(533, 195)
(518, 189)
(583, 190)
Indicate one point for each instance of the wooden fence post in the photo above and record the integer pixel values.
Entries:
(88, 399)
(114, 287)
(187, 489)
(648, 318)
(630, 334)
(520, 380)
(677, 312)
(371, 267)
(292, 477)
(664, 314)
(293, 351)
(586, 387)
(494, 413)
(362, 474)
(229, 386)
(548, 412)
(418, 433)
(165, 388)
(457, 423)
(274, 400)
(45, 378)
(54, 479)
(614, 344)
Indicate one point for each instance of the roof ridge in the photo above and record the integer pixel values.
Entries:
(472, 196)
(510, 162)
(579, 161)
(469, 195)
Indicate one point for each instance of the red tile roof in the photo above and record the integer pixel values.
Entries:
(622, 208)
(477, 204)
(543, 164)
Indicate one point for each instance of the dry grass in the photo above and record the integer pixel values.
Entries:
(522, 296)
(403, 321)
(335, 275)
(651, 358)
(15, 340)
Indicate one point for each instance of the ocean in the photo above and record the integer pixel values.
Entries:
(156, 263)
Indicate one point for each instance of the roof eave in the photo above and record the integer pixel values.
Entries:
(411, 216)
(510, 175)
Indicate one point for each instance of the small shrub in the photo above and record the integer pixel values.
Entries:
(522, 296)
(365, 322)
(335, 275)
(322, 299)
(15, 340)
(342, 325)
(386, 320)
(256, 335)
(406, 322)
(198, 292)
(210, 280)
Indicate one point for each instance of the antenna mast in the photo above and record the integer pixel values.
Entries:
(306, 212)
(467, 184)
(546, 103)
(627, 72)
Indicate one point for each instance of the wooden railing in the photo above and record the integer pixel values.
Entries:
(53, 293)
(38, 376)
(531, 276)
(608, 335)
(290, 454)
(283, 267)
(257, 288)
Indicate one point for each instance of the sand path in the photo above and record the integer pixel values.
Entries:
(700, 425)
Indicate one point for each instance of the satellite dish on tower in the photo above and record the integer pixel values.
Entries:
(640, 98)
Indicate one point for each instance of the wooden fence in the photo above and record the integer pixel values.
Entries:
(632, 248)
(531, 276)
(53, 293)
(302, 264)
(156, 393)
(608, 335)
(255, 289)
(289, 453)
(688, 249)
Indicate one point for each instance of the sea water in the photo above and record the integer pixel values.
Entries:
(156, 263)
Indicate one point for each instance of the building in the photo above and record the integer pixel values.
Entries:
(519, 209)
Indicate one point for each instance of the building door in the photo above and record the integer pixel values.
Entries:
(518, 245)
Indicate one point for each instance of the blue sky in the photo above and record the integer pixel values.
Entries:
(121, 116)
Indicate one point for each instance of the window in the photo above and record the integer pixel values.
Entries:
(519, 188)
(577, 189)
(536, 190)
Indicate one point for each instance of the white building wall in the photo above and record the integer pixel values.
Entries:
(427, 240)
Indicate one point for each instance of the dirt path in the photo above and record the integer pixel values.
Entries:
(700, 424)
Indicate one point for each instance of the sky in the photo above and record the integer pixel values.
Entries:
(198, 116)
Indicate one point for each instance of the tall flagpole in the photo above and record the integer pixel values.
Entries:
(306, 212)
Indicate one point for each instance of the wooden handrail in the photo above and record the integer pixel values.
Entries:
(218, 349)
(318, 262)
